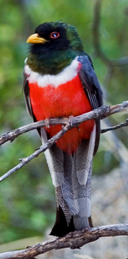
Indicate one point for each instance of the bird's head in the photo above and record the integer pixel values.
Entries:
(54, 44)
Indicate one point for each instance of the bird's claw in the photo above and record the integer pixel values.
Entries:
(47, 123)
(71, 118)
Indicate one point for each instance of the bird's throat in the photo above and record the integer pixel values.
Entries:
(51, 62)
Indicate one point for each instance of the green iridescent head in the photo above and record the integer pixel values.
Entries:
(54, 46)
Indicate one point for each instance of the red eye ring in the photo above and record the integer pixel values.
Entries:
(54, 35)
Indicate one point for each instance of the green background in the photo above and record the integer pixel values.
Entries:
(27, 201)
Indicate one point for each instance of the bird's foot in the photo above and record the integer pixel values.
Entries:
(71, 118)
(47, 123)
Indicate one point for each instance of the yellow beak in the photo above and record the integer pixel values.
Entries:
(34, 38)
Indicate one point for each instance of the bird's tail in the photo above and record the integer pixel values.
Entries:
(71, 175)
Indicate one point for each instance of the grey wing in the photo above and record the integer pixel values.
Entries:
(26, 95)
(27, 99)
(92, 89)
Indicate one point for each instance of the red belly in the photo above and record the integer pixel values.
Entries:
(65, 100)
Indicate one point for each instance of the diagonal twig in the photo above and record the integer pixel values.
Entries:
(11, 135)
(100, 113)
(41, 149)
(118, 126)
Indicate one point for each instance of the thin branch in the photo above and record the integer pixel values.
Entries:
(41, 149)
(72, 240)
(118, 126)
(100, 113)
(11, 135)
(96, 40)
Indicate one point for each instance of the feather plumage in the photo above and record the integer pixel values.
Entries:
(70, 165)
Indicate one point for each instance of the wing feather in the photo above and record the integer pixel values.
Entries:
(26, 95)
(92, 89)
(90, 82)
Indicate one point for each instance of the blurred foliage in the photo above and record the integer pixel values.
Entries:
(27, 202)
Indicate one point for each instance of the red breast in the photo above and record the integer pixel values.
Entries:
(63, 101)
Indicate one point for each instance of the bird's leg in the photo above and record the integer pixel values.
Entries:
(47, 123)
(71, 118)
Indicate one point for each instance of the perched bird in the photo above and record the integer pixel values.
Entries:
(59, 81)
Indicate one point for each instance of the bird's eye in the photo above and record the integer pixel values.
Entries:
(54, 35)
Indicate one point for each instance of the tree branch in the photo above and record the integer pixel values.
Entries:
(96, 40)
(41, 149)
(118, 126)
(100, 113)
(72, 240)
(11, 135)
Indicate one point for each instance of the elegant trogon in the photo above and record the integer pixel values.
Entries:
(59, 82)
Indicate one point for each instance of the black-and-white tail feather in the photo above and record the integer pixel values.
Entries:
(71, 174)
